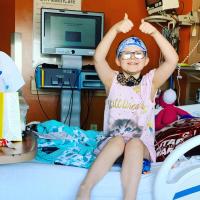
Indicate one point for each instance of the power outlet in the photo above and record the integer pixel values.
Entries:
(93, 127)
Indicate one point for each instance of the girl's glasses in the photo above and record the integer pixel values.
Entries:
(126, 55)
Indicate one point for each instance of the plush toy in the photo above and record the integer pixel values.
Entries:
(170, 112)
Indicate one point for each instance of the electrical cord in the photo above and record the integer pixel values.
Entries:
(85, 120)
(77, 78)
(45, 114)
(70, 108)
(89, 103)
(58, 103)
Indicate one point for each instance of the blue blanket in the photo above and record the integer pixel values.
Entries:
(61, 144)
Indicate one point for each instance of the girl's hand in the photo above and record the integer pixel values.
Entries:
(147, 28)
(124, 25)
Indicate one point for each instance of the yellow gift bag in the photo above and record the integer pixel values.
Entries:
(10, 124)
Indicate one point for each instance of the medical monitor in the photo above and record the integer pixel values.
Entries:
(66, 32)
(156, 6)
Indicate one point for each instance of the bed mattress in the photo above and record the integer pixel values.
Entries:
(36, 181)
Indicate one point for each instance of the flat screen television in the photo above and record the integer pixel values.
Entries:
(67, 32)
(155, 6)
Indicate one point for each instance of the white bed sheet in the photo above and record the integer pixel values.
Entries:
(36, 181)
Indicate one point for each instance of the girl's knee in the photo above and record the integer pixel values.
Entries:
(118, 142)
(135, 143)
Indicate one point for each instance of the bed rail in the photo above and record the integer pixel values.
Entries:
(188, 185)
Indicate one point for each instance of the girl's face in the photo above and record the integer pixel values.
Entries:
(132, 60)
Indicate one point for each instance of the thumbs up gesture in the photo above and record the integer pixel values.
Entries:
(147, 28)
(124, 25)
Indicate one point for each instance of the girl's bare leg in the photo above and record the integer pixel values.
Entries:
(113, 149)
(132, 165)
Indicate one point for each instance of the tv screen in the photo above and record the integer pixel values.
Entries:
(65, 32)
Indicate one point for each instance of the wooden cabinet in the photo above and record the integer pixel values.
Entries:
(192, 85)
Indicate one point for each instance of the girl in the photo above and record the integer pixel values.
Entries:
(129, 109)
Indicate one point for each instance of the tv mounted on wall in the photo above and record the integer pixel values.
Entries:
(67, 32)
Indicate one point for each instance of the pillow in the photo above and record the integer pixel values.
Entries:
(169, 137)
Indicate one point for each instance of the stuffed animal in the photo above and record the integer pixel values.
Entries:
(170, 112)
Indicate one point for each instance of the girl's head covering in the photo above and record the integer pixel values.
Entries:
(131, 41)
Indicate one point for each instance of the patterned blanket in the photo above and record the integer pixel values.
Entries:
(61, 144)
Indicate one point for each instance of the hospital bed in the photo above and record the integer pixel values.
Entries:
(174, 179)
(37, 181)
